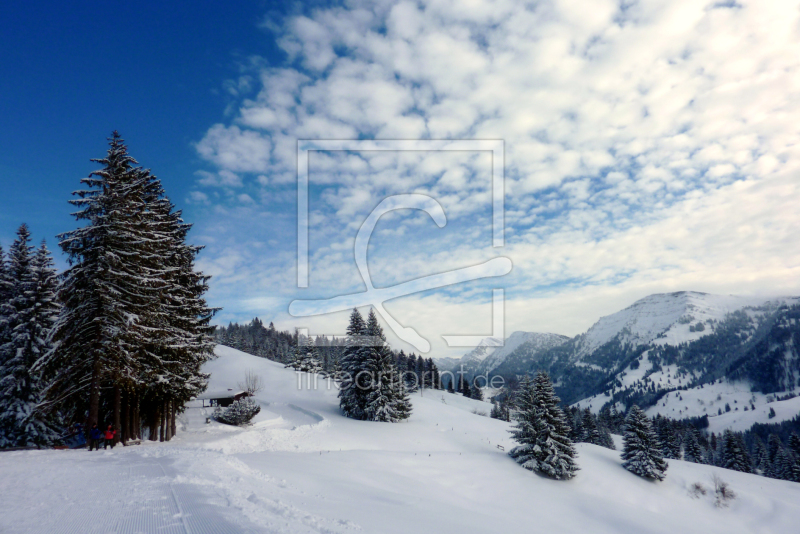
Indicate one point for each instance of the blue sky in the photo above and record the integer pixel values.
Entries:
(72, 73)
(649, 146)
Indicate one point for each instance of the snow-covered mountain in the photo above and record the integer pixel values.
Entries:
(492, 351)
(674, 342)
(668, 318)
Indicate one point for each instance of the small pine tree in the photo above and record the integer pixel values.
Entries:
(692, 452)
(591, 434)
(734, 454)
(782, 468)
(305, 357)
(641, 451)
(477, 393)
(794, 444)
(465, 389)
(605, 438)
(542, 431)
(450, 388)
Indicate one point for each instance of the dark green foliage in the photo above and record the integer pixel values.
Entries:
(734, 453)
(641, 452)
(239, 413)
(692, 451)
(267, 342)
(134, 326)
(28, 312)
(542, 431)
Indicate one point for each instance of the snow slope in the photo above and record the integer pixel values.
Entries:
(492, 351)
(302, 468)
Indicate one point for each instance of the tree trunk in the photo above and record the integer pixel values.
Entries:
(163, 415)
(126, 418)
(94, 395)
(174, 425)
(167, 420)
(117, 402)
(136, 431)
(154, 416)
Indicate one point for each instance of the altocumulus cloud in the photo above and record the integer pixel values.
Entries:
(650, 146)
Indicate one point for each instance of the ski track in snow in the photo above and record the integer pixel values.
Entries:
(302, 468)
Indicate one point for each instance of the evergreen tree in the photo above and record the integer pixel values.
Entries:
(591, 434)
(734, 454)
(794, 444)
(782, 468)
(352, 395)
(605, 438)
(134, 326)
(692, 452)
(576, 432)
(641, 451)
(450, 388)
(760, 457)
(305, 358)
(387, 400)
(465, 389)
(496, 412)
(435, 376)
(542, 430)
(30, 313)
(477, 393)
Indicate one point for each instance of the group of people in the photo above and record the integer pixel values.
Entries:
(96, 436)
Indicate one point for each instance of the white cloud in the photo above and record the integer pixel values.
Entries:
(649, 147)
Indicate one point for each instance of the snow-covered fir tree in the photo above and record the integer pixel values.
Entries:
(305, 357)
(477, 393)
(29, 314)
(591, 434)
(782, 467)
(641, 451)
(760, 457)
(387, 400)
(542, 431)
(352, 398)
(692, 451)
(134, 327)
(734, 453)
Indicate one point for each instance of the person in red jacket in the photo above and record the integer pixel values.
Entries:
(110, 433)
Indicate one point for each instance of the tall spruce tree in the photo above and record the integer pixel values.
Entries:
(591, 434)
(387, 400)
(734, 453)
(134, 327)
(352, 395)
(305, 357)
(30, 310)
(692, 451)
(542, 431)
(641, 451)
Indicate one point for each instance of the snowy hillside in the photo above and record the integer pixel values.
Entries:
(471, 359)
(534, 340)
(303, 468)
(492, 352)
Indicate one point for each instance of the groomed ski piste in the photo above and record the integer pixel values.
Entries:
(303, 468)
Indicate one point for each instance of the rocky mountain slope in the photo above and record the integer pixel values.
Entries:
(672, 342)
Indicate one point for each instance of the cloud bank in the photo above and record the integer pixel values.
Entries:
(650, 146)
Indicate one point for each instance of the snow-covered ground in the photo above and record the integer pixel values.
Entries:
(707, 400)
(303, 468)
